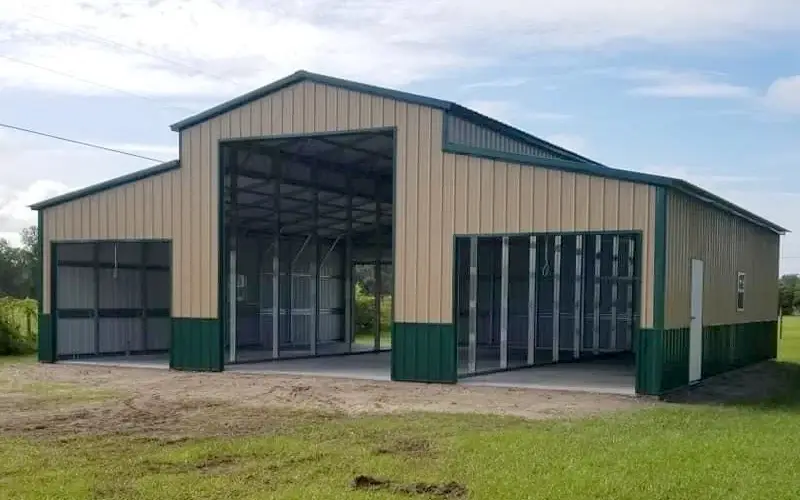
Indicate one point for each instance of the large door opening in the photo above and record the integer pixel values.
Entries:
(537, 299)
(112, 299)
(307, 247)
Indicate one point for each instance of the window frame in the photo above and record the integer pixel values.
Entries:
(741, 286)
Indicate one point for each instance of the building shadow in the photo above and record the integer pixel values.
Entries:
(772, 385)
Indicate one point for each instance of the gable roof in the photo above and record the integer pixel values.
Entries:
(447, 106)
(570, 160)
(106, 185)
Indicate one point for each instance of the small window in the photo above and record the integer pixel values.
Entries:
(740, 292)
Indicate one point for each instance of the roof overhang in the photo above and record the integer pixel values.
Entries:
(106, 185)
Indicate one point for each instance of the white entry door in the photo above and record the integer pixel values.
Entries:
(696, 325)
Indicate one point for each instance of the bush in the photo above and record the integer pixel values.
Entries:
(365, 311)
(18, 326)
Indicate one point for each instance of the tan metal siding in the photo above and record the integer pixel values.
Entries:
(485, 202)
(437, 195)
(727, 245)
(150, 209)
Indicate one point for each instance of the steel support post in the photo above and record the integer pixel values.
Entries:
(276, 268)
(598, 252)
(631, 288)
(315, 270)
(378, 274)
(532, 304)
(96, 312)
(473, 303)
(504, 304)
(349, 321)
(557, 299)
(143, 284)
(577, 340)
(614, 292)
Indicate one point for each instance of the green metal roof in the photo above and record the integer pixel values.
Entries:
(109, 184)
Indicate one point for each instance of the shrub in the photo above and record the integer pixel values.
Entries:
(18, 326)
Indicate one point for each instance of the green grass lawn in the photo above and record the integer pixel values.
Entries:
(665, 452)
(369, 339)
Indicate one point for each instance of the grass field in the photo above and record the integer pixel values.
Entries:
(659, 451)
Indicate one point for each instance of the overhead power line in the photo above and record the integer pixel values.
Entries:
(97, 38)
(80, 143)
(91, 82)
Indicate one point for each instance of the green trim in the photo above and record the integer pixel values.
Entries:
(660, 259)
(40, 261)
(424, 352)
(662, 361)
(47, 339)
(728, 347)
(109, 184)
(195, 345)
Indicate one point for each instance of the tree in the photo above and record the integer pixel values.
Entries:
(19, 266)
(789, 293)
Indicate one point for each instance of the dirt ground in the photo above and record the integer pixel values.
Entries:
(63, 399)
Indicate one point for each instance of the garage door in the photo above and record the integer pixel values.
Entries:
(112, 298)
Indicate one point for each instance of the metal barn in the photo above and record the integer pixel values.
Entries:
(505, 252)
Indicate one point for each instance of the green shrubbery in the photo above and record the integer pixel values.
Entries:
(18, 326)
(365, 312)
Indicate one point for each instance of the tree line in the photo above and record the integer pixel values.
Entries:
(19, 265)
(789, 293)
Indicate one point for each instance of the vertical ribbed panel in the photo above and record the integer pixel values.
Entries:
(662, 360)
(196, 345)
(727, 347)
(466, 133)
(47, 340)
(727, 245)
(424, 352)
(179, 205)
(498, 197)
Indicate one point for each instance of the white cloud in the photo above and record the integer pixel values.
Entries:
(35, 169)
(499, 83)
(684, 84)
(784, 95)
(755, 193)
(14, 212)
(571, 142)
(214, 47)
(705, 178)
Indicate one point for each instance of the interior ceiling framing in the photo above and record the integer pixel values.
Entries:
(346, 173)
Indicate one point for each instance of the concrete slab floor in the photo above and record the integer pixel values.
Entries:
(601, 377)
(372, 366)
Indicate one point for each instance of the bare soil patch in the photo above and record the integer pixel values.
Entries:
(444, 490)
(172, 406)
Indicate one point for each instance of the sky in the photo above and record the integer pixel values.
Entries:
(705, 91)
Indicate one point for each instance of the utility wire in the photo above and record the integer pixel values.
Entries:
(114, 43)
(91, 82)
(80, 143)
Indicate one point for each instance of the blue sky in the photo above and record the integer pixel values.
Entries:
(709, 92)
